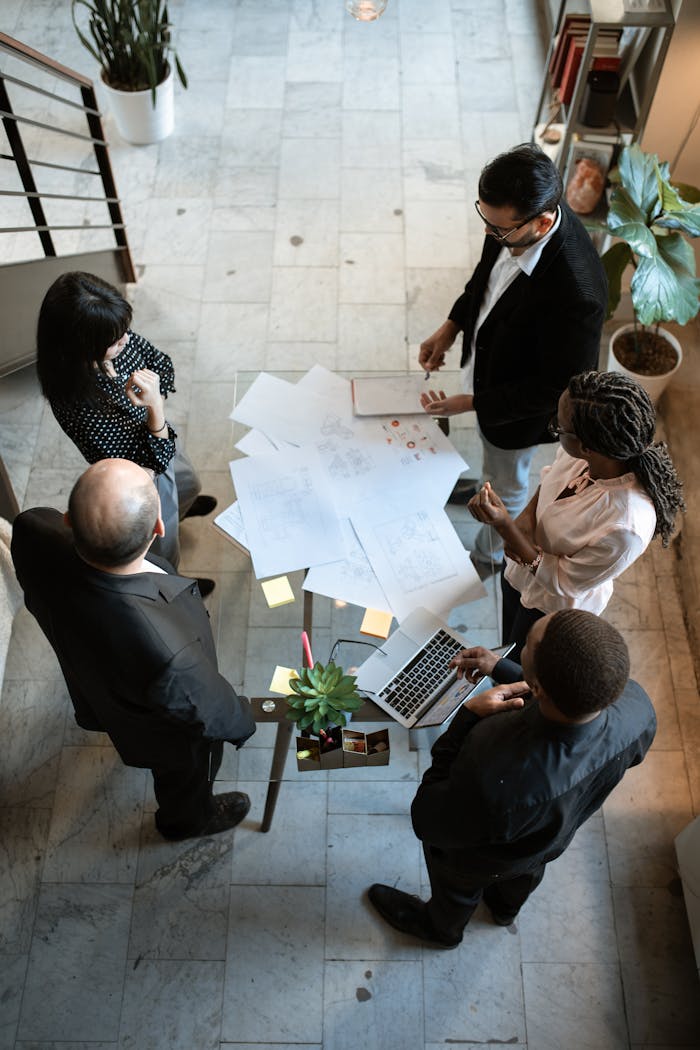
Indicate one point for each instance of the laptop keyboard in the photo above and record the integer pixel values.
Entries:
(423, 676)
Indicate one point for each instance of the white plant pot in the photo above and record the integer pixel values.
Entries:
(654, 385)
(137, 119)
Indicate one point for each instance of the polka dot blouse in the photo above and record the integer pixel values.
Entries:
(118, 430)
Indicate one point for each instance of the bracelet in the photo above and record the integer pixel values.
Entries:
(533, 565)
(159, 430)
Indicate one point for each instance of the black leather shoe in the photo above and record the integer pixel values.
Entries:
(463, 491)
(503, 920)
(201, 506)
(407, 914)
(228, 810)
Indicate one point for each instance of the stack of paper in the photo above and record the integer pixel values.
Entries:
(357, 501)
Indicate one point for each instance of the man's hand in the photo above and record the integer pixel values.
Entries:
(500, 698)
(473, 663)
(488, 507)
(432, 352)
(439, 405)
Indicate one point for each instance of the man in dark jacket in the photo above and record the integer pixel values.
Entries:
(520, 768)
(531, 317)
(134, 642)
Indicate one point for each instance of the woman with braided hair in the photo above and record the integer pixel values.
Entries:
(610, 490)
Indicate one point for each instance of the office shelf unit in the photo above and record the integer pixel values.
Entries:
(645, 28)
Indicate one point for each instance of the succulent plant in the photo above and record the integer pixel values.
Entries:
(322, 696)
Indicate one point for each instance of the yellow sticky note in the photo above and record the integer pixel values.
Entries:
(281, 679)
(376, 623)
(277, 591)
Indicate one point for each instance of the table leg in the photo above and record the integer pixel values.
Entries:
(279, 757)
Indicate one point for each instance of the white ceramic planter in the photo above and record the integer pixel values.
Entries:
(137, 119)
(654, 385)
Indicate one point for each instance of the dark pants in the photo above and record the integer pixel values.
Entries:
(454, 896)
(516, 619)
(184, 795)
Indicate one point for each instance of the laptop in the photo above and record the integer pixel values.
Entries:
(409, 675)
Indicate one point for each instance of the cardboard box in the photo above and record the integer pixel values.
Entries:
(351, 750)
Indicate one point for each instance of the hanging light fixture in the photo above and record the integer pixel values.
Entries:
(366, 10)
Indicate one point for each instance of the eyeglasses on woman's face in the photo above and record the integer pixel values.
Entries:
(556, 431)
(501, 233)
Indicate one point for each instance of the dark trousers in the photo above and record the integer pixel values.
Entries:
(454, 896)
(184, 795)
(516, 620)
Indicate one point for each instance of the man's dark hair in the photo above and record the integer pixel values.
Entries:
(582, 662)
(80, 317)
(524, 178)
(116, 540)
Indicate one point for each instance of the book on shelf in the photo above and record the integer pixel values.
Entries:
(605, 57)
(573, 23)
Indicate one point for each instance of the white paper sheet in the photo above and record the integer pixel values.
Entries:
(417, 556)
(352, 579)
(230, 521)
(282, 410)
(255, 443)
(289, 519)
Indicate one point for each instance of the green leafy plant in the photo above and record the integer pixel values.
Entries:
(649, 216)
(321, 697)
(131, 41)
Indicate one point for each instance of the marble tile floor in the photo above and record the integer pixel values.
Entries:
(314, 204)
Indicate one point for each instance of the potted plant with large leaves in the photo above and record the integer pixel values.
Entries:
(649, 216)
(131, 40)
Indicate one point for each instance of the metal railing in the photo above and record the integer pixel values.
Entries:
(15, 123)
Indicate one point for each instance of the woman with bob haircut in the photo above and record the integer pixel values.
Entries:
(107, 388)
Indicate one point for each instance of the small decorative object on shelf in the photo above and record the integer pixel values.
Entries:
(588, 171)
(366, 10)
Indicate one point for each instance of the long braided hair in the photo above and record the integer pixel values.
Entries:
(613, 415)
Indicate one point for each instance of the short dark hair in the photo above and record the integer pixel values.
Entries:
(612, 414)
(116, 540)
(582, 662)
(80, 317)
(523, 178)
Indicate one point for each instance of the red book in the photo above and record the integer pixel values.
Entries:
(571, 67)
(574, 23)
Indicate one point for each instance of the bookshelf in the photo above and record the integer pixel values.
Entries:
(623, 40)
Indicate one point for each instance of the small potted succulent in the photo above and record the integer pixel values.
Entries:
(322, 699)
(649, 217)
(131, 41)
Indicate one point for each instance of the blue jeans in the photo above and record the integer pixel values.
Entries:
(508, 470)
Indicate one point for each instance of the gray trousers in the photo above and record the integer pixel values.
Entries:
(178, 487)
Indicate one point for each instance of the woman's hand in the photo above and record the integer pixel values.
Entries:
(143, 389)
(473, 663)
(488, 507)
(439, 405)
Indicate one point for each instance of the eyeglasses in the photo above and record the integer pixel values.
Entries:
(556, 431)
(498, 231)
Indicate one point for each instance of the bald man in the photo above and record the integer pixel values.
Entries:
(134, 642)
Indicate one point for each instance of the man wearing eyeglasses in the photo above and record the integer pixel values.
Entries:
(531, 317)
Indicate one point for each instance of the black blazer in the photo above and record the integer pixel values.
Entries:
(136, 651)
(542, 331)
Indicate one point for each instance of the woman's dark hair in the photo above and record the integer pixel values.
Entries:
(524, 178)
(582, 662)
(80, 318)
(613, 415)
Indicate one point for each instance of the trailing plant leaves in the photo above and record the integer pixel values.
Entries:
(638, 172)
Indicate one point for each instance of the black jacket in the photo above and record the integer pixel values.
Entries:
(542, 331)
(506, 793)
(136, 651)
